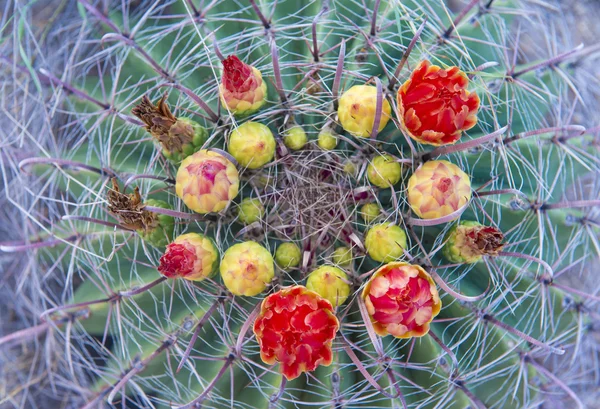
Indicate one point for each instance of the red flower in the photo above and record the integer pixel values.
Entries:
(237, 76)
(435, 106)
(178, 260)
(401, 299)
(296, 328)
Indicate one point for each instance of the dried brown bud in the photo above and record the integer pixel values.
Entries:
(469, 240)
(178, 137)
(129, 209)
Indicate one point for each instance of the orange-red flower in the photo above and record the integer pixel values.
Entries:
(435, 106)
(296, 328)
(401, 300)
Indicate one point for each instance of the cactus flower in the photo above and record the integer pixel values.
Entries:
(190, 256)
(327, 139)
(383, 171)
(330, 283)
(250, 211)
(252, 144)
(247, 268)
(242, 89)
(468, 241)
(296, 328)
(178, 137)
(207, 181)
(356, 110)
(342, 256)
(369, 212)
(295, 138)
(437, 189)
(385, 242)
(401, 300)
(435, 106)
(288, 255)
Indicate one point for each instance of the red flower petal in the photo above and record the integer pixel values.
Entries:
(237, 76)
(178, 260)
(296, 328)
(405, 307)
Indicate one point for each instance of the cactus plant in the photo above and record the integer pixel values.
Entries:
(384, 128)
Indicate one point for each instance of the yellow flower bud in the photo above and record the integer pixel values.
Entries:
(369, 212)
(247, 268)
(288, 255)
(385, 242)
(327, 140)
(437, 189)
(356, 110)
(295, 138)
(250, 211)
(383, 171)
(330, 283)
(342, 256)
(207, 181)
(252, 144)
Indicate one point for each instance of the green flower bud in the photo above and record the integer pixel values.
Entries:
(288, 255)
(295, 138)
(327, 140)
(342, 256)
(250, 211)
(385, 242)
(383, 171)
(350, 168)
(330, 283)
(369, 212)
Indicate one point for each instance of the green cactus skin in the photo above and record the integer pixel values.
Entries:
(116, 333)
(198, 140)
(162, 233)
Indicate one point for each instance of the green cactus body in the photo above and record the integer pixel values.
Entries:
(200, 134)
(395, 93)
(160, 233)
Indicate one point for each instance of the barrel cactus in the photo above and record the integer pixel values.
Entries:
(337, 204)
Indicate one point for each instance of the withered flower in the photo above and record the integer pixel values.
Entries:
(178, 137)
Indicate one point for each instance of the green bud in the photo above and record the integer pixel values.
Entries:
(383, 171)
(342, 256)
(327, 139)
(370, 212)
(295, 138)
(330, 283)
(385, 242)
(250, 210)
(288, 255)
